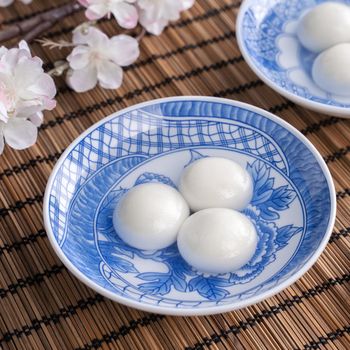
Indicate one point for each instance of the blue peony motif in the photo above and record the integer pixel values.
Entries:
(111, 246)
(161, 283)
(267, 202)
(211, 288)
(285, 233)
(267, 199)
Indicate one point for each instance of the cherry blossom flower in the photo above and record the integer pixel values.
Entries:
(25, 91)
(123, 10)
(97, 58)
(156, 14)
(4, 3)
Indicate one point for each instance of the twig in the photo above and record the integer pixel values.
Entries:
(32, 27)
(141, 35)
(42, 27)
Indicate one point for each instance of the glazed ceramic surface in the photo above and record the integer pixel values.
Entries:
(293, 205)
(266, 34)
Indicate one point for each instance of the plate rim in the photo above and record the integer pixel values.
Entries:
(211, 310)
(343, 112)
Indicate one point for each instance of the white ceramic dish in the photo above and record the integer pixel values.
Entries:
(293, 205)
(266, 34)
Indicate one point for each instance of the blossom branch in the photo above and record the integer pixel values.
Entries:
(26, 91)
(33, 27)
(141, 35)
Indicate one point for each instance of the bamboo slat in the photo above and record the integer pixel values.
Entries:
(42, 306)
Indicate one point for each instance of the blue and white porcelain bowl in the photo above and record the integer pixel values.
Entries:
(266, 35)
(293, 207)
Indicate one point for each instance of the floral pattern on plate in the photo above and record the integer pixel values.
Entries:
(291, 207)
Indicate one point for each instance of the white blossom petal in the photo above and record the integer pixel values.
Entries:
(12, 57)
(23, 45)
(80, 35)
(91, 15)
(84, 2)
(154, 27)
(90, 36)
(25, 92)
(9, 60)
(7, 82)
(110, 75)
(156, 14)
(19, 133)
(44, 86)
(2, 141)
(49, 104)
(37, 119)
(125, 14)
(79, 57)
(24, 109)
(3, 50)
(82, 80)
(3, 112)
(27, 73)
(124, 49)
(96, 11)
(186, 4)
(103, 58)
(80, 49)
(4, 3)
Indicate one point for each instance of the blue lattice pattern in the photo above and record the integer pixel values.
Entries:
(140, 132)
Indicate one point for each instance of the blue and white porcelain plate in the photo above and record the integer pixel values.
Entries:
(293, 207)
(266, 34)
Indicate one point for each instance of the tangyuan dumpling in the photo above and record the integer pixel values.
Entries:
(215, 182)
(331, 70)
(150, 215)
(217, 240)
(324, 26)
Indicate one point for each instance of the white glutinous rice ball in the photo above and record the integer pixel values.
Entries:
(150, 215)
(331, 70)
(324, 26)
(217, 240)
(215, 182)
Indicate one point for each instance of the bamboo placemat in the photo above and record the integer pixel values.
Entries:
(42, 306)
